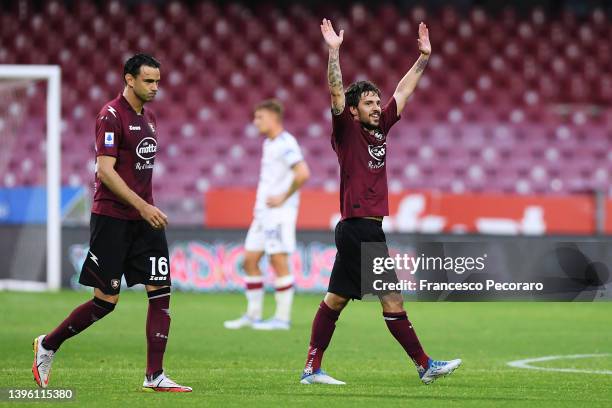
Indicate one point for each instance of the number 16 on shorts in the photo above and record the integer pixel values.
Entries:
(159, 268)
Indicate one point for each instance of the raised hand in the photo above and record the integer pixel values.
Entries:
(332, 39)
(423, 41)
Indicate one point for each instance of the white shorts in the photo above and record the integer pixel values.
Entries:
(272, 232)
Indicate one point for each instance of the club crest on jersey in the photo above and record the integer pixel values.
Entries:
(378, 152)
(147, 148)
(109, 139)
(152, 127)
(115, 283)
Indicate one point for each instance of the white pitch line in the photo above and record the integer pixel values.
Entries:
(527, 363)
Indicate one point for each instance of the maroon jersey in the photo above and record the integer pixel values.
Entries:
(130, 137)
(363, 174)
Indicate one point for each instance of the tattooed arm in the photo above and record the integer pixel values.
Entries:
(406, 86)
(334, 75)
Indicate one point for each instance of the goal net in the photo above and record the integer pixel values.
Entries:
(30, 191)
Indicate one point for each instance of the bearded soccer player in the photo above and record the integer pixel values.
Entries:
(272, 232)
(127, 230)
(360, 127)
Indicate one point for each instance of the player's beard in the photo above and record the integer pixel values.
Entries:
(369, 126)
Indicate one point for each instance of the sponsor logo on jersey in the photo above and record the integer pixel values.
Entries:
(109, 139)
(147, 166)
(134, 127)
(147, 148)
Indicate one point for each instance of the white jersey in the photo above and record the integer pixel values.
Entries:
(276, 175)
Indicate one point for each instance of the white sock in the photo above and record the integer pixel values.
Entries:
(255, 296)
(284, 297)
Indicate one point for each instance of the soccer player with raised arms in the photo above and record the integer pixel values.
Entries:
(359, 137)
(127, 230)
(272, 232)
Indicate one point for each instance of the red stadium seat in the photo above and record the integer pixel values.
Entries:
(493, 106)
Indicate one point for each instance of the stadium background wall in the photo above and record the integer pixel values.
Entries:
(204, 260)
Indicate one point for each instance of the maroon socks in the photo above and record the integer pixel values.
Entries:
(158, 326)
(401, 328)
(323, 327)
(81, 318)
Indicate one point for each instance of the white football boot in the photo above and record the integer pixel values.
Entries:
(41, 368)
(163, 384)
(272, 324)
(244, 321)
(319, 377)
(438, 369)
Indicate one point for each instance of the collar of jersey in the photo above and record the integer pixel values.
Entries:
(128, 106)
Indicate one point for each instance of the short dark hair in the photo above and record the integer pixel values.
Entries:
(356, 89)
(132, 65)
(273, 105)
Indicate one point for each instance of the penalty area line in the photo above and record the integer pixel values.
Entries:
(527, 363)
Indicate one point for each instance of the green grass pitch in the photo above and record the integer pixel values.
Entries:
(105, 364)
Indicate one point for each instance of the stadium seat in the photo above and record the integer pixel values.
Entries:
(495, 118)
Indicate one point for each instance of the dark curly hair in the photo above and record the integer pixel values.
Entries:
(356, 89)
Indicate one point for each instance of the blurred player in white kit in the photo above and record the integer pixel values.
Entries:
(272, 232)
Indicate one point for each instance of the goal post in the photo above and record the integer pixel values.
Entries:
(52, 75)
